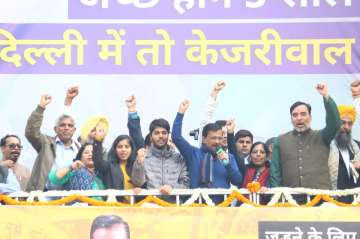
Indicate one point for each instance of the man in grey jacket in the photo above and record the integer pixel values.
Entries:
(160, 167)
(58, 151)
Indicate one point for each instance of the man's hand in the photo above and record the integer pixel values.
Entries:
(131, 103)
(355, 89)
(137, 190)
(171, 144)
(230, 126)
(141, 156)
(356, 164)
(45, 100)
(71, 93)
(217, 88)
(323, 90)
(166, 189)
(7, 163)
(184, 105)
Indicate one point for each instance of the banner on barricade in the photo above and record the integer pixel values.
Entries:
(146, 223)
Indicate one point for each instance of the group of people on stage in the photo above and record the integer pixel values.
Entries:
(165, 160)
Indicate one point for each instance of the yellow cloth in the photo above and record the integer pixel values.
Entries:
(91, 123)
(127, 183)
(347, 111)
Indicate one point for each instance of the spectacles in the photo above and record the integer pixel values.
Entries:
(14, 146)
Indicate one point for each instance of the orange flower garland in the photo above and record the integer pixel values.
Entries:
(235, 195)
(253, 187)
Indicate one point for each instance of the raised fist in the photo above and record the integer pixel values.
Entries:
(230, 125)
(71, 93)
(322, 89)
(131, 103)
(184, 105)
(219, 86)
(45, 100)
(355, 89)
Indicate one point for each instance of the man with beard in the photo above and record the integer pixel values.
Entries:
(53, 152)
(160, 167)
(300, 156)
(344, 155)
(13, 176)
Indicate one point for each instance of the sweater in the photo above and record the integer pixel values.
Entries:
(223, 175)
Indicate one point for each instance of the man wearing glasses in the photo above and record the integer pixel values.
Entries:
(13, 176)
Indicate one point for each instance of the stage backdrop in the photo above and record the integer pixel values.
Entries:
(270, 54)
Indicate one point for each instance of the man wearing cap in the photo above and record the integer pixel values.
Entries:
(95, 127)
(344, 155)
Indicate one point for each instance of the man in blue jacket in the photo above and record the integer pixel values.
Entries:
(209, 166)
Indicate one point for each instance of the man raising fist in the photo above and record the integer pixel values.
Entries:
(300, 157)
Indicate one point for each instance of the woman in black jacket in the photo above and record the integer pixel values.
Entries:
(115, 168)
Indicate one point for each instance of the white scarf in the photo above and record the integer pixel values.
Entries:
(333, 162)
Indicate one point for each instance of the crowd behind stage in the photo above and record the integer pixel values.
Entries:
(163, 159)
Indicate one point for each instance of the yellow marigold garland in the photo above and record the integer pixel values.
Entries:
(253, 187)
(153, 199)
(313, 201)
(327, 198)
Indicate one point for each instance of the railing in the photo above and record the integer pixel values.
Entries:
(184, 197)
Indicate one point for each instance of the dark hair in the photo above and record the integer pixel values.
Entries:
(80, 152)
(243, 133)
(3, 139)
(161, 123)
(264, 146)
(222, 123)
(112, 156)
(147, 141)
(270, 141)
(298, 103)
(107, 221)
(210, 127)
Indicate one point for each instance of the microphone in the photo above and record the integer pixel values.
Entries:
(220, 152)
